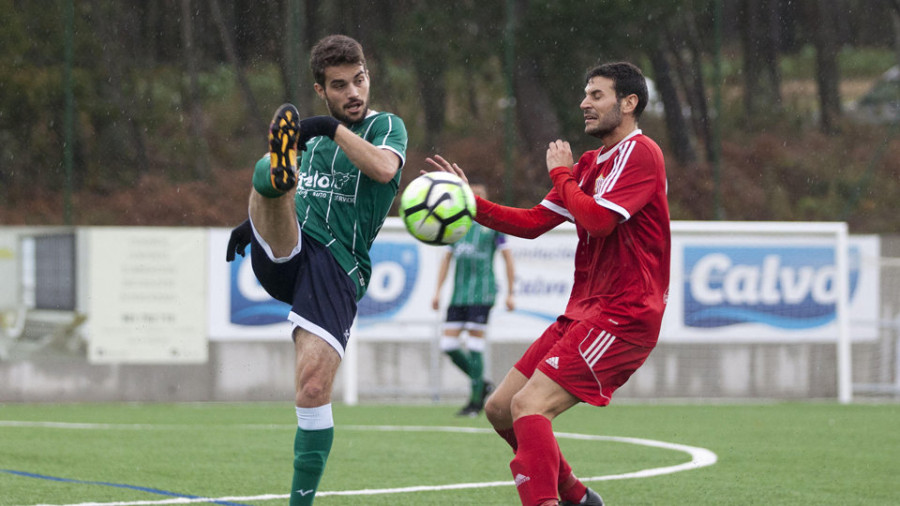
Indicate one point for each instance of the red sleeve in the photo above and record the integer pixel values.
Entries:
(597, 220)
(525, 223)
(641, 176)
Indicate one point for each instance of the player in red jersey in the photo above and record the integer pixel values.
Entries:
(616, 196)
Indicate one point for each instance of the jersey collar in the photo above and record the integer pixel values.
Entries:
(606, 153)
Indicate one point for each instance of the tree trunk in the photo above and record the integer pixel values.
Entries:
(231, 52)
(676, 127)
(895, 19)
(114, 55)
(759, 35)
(430, 64)
(827, 78)
(196, 128)
(537, 122)
(688, 67)
(433, 92)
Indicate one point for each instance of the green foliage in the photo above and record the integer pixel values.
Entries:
(441, 67)
(854, 62)
(865, 62)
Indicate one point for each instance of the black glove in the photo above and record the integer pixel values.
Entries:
(315, 126)
(240, 238)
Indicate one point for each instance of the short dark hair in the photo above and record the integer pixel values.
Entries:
(627, 80)
(334, 50)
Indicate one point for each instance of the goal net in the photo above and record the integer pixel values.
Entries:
(876, 362)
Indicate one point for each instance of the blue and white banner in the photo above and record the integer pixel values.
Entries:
(759, 287)
(724, 287)
(239, 308)
(404, 278)
(397, 304)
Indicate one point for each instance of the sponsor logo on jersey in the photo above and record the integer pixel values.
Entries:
(320, 181)
(598, 184)
(789, 287)
(553, 362)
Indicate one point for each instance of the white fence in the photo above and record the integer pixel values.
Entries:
(756, 310)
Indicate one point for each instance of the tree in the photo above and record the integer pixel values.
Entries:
(422, 22)
(230, 49)
(676, 127)
(760, 35)
(827, 76)
(686, 48)
(196, 128)
(127, 156)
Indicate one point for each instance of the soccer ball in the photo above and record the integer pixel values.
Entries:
(437, 208)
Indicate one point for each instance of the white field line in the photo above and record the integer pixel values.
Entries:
(700, 457)
(139, 426)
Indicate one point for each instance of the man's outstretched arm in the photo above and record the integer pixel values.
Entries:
(525, 223)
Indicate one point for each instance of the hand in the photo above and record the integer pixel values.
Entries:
(240, 238)
(510, 303)
(436, 303)
(559, 154)
(442, 165)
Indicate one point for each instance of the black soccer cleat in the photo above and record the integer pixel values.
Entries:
(593, 499)
(470, 410)
(486, 390)
(284, 132)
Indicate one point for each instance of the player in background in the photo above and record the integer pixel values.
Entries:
(310, 241)
(474, 292)
(616, 196)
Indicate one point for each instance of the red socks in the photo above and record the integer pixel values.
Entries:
(535, 467)
(569, 487)
(509, 435)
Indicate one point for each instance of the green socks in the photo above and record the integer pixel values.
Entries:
(311, 448)
(460, 358)
(476, 373)
(470, 361)
(262, 180)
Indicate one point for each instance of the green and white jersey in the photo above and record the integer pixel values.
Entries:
(474, 283)
(341, 207)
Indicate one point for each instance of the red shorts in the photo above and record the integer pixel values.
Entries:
(589, 362)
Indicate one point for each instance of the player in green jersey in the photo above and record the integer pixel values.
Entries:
(311, 228)
(474, 291)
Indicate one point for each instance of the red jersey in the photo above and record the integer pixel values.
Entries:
(621, 280)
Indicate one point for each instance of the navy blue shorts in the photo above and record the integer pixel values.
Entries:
(477, 314)
(322, 296)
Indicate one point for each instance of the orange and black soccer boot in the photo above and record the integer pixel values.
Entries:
(284, 132)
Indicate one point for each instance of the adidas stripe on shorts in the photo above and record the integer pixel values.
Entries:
(589, 362)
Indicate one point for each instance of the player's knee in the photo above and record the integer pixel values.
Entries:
(497, 412)
(313, 392)
(521, 405)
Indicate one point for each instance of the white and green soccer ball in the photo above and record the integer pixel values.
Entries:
(437, 208)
